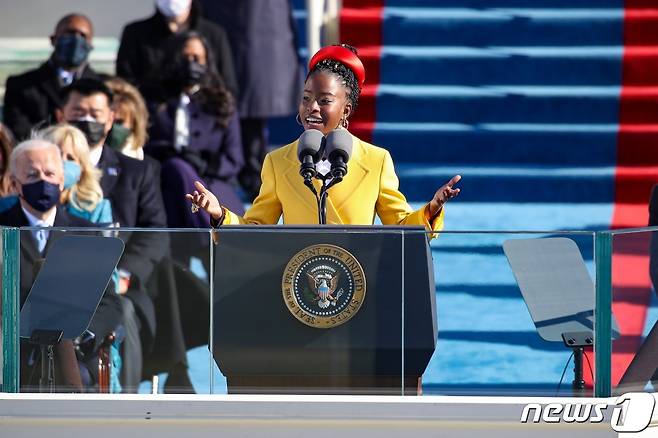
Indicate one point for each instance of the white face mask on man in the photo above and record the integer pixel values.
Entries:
(173, 8)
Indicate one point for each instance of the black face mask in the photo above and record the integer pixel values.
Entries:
(71, 50)
(192, 73)
(93, 131)
(41, 195)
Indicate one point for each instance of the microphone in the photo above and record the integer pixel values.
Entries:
(308, 152)
(338, 149)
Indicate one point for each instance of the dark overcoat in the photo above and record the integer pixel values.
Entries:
(133, 188)
(218, 149)
(31, 98)
(143, 45)
(263, 40)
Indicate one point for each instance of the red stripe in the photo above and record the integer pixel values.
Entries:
(361, 27)
(636, 173)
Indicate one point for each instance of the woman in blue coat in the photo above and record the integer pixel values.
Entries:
(196, 133)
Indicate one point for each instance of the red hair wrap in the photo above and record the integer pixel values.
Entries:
(344, 56)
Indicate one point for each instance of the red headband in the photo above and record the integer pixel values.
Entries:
(344, 56)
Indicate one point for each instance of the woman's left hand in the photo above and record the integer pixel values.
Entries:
(443, 195)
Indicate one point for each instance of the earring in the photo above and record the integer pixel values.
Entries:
(345, 123)
(299, 120)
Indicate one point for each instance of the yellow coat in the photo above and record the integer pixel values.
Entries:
(370, 187)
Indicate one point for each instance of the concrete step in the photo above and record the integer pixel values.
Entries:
(458, 26)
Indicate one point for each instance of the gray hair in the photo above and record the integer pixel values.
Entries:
(34, 144)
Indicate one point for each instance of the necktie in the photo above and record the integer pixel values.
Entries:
(41, 239)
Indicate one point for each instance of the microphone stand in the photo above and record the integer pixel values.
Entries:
(321, 198)
(324, 194)
(308, 182)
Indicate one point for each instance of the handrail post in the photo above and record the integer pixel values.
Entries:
(603, 314)
(10, 309)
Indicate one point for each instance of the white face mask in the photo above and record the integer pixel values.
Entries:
(173, 8)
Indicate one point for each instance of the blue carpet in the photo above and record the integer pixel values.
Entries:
(561, 145)
(501, 65)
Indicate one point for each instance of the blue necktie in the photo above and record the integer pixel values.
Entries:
(42, 239)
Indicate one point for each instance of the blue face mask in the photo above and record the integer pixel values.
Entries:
(41, 195)
(71, 50)
(72, 172)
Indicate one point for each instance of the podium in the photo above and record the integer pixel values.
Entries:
(323, 310)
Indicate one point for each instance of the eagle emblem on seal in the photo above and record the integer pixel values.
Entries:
(324, 286)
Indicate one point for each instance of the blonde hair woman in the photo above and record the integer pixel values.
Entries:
(6, 145)
(82, 195)
(130, 119)
(7, 196)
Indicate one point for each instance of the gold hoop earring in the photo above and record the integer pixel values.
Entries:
(299, 120)
(345, 123)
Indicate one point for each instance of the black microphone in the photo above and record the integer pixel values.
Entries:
(338, 148)
(308, 152)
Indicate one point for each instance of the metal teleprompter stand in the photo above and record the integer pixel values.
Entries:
(559, 294)
(577, 341)
(46, 340)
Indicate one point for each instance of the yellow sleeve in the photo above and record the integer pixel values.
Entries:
(392, 207)
(266, 209)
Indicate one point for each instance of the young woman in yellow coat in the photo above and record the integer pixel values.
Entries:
(370, 188)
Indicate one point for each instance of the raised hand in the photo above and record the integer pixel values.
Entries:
(443, 195)
(203, 198)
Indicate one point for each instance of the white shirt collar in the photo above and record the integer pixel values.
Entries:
(66, 77)
(129, 151)
(34, 221)
(95, 155)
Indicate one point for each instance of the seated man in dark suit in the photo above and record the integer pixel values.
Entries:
(133, 188)
(37, 176)
(32, 97)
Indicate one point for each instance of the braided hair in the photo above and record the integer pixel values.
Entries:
(344, 73)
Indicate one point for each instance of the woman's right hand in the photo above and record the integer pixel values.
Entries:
(203, 198)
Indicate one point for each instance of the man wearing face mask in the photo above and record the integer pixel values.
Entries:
(131, 186)
(37, 176)
(143, 45)
(32, 97)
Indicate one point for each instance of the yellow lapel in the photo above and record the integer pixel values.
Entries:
(296, 182)
(340, 194)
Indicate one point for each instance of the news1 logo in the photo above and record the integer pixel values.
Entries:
(631, 412)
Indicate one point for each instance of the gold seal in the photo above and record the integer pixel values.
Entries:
(323, 286)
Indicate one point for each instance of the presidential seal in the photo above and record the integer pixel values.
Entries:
(323, 286)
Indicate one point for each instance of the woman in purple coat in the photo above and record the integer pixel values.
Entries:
(195, 134)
